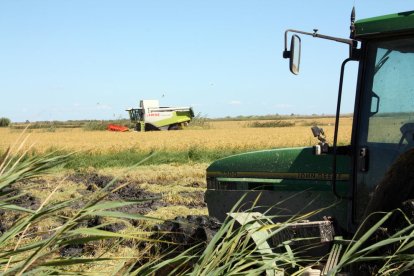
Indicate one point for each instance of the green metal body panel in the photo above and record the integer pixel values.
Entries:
(287, 163)
(394, 23)
(177, 118)
(295, 179)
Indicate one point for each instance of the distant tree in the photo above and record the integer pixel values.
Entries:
(4, 122)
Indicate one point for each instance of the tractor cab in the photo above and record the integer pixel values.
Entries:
(383, 126)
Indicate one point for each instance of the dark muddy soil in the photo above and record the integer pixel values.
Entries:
(79, 250)
(150, 201)
(132, 191)
(96, 221)
(7, 218)
(92, 181)
(74, 250)
(24, 200)
(3, 224)
(182, 233)
(185, 232)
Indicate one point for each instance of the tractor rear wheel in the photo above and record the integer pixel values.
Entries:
(396, 187)
(396, 190)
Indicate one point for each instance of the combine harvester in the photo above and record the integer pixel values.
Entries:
(150, 116)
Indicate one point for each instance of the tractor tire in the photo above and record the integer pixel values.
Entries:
(396, 190)
(396, 187)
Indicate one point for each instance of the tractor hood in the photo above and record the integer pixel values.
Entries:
(298, 167)
(295, 180)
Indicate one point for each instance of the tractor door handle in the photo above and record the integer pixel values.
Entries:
(363, 159)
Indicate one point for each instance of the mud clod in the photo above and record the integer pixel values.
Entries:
(3, 227)
(24, 200)
(74, 250)
(97, 221)
(186, 232)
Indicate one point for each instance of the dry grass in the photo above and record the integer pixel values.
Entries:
(180, 186)
(221, 135)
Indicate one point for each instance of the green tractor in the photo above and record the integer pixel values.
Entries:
(373, 173)
(345, 183)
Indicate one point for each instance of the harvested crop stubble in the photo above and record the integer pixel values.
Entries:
(216, 138)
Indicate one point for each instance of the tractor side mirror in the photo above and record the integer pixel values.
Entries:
(294, 59)
(317, 132)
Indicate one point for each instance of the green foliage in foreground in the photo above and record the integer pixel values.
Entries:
(22, 249)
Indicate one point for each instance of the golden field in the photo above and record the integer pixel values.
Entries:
(177, 188)
(219, 135)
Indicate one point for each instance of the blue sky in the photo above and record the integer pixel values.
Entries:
(63, 60)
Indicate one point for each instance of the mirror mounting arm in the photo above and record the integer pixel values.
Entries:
(352, 43)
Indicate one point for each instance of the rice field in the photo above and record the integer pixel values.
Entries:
(180, 184)
(220, 135)
(170, 189)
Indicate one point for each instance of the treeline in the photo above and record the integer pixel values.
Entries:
(275, 117)
(85, 124)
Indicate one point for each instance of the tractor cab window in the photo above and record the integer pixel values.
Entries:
(391, 114)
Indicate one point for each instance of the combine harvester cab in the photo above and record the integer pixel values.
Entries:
(150, 116)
